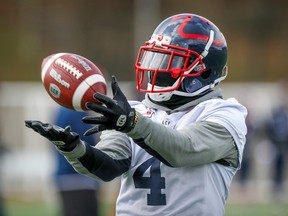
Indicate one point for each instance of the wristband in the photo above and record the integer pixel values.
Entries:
(135, 118)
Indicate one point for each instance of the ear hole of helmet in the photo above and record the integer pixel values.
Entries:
(206, 74)
(192, 84)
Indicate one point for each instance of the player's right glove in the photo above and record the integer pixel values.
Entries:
(116, 112)
(63, 138)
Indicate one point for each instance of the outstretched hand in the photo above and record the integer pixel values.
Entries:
(63, 138)
(116, 113)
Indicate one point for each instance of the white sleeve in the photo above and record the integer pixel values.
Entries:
(214, 130)
(199, 143)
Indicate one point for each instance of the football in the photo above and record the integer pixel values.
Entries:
(71, 80)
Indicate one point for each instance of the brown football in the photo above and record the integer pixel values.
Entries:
(71, 80)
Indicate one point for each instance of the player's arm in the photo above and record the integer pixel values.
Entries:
(199, 143)
(106, 163)
(109, 159)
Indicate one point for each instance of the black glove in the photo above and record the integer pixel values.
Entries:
(116, 114)
(64, 139)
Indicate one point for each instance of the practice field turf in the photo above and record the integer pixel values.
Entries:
(271, 209)
(17, 208)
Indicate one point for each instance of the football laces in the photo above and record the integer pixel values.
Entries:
(69, 68)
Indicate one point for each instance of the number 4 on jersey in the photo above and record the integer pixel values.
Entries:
(154, 182)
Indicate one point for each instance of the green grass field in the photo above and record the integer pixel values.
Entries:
(17, 208)
(20, 208)
(271, 209)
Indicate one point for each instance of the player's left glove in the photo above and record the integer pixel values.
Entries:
(116, 114)
(63, 138)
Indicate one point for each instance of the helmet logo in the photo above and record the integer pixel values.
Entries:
(158, 40)
(160, 37)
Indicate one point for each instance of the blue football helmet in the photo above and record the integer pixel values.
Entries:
(186, 55)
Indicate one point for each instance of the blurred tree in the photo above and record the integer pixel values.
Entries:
(104, 31)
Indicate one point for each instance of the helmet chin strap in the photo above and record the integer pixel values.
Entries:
(199, 91)
(159, 96)
(165, 96)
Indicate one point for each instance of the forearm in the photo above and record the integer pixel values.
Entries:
(199, 143)
(97, 163)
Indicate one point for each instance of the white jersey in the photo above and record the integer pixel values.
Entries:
(153, 188)
(197, 153)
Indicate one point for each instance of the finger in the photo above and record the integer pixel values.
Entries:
(117, 92)
(114, 85)
(99, 108)
(67, 129)
(35, 125)
(94, 120)
(114, 81)
(30, 123)
(104, 99)
(53, 131)
(93, 130)
(102, 127)
(39, 129)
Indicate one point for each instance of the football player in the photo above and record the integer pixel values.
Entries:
(177, 150)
